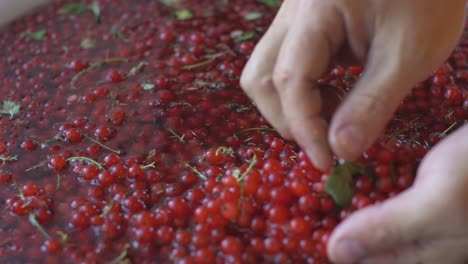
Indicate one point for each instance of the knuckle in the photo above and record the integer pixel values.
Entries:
(371, 102)
(247, 81)
(283, 78)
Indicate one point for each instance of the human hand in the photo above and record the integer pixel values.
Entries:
(428, 223)
(11, 9)
(400, 42)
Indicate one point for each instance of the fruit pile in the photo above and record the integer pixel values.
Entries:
(125, 138)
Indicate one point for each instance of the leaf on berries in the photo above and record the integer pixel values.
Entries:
(80, 8)
(271, 3)
(117, 32)
(340, 184)
(147, 86)
(169, 2)
(10, 108)
(240, 36)
(96, 9)
(253, 16)
(184, 14)
(35, 35)
(73, 9)
(88, 43)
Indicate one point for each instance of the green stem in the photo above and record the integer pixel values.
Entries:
(152, 165)
(444, 134)
(100, 144)
(35, 223)
(195, 170)
(99, 165)
(95, 65)
(249, 169)
(121, 258)
(5, 159)
(108, 209)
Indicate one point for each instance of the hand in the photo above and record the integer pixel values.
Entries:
(400, 42)
(427, 223)
(11, 9)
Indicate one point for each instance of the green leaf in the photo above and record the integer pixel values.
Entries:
(240, 36)
(96, 9)
(167, 2)
(88, 43)
(340, 184)
(80, 8)
(117, 32)
(10, 108)
(184, 14)
(253, 16)
(73, 9)
(147, 86)
(271, 3)
(36, 35)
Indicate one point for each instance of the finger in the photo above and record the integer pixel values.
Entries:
(432, 252)
(394, 64)
(304, 56)
(10, 10)
(398, 221)
(256, 79)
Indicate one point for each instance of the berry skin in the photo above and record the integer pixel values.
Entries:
(57, 163)
(73, 135)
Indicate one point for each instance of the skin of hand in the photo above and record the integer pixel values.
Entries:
(399, 42)
(427, 223)
(11, 9)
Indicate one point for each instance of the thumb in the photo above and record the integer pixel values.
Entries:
(394, 223)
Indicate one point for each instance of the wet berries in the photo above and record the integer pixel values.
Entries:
(143, 147)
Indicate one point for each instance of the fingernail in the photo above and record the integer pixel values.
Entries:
(350, 138)
(349, 251)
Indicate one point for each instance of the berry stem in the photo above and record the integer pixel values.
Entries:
(210, 59)
(249, 169)
(55, 138)
(63, 236)
(446, 131)
(174, 135)
(152, 165)
(99, 165)
(122, 258)
(263, 128)
(108, 209)
(36, 224)
(194, 169)
(40, 164)
(6, 159)
(101, 144)
(224, 150)
(93, 66)
(59, 179)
